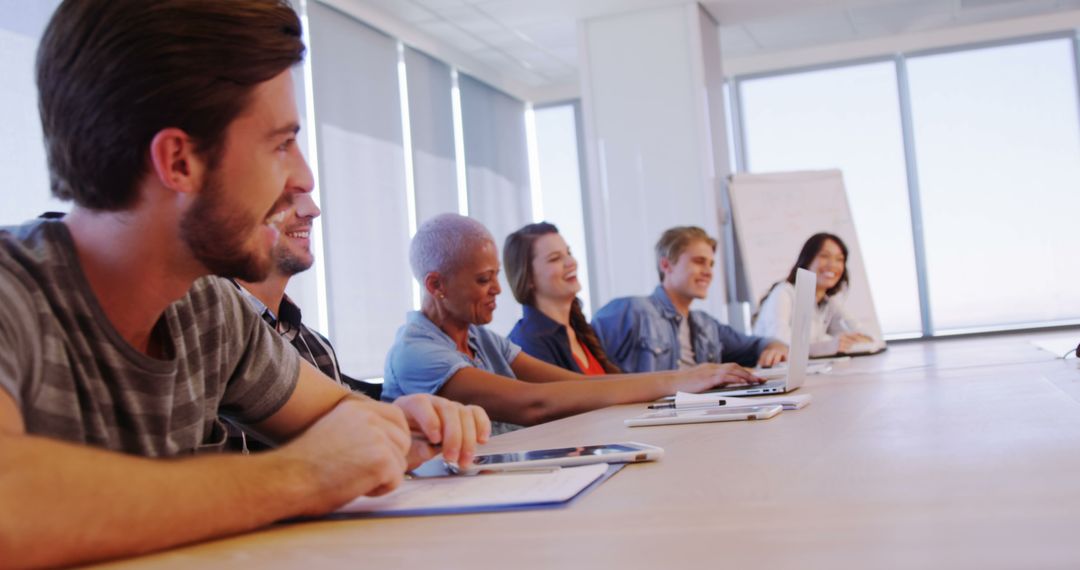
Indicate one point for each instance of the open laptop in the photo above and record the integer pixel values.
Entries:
(794, 374)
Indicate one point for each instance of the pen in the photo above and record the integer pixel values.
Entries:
(672, 405)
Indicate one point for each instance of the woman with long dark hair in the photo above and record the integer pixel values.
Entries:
(543, 277)
(833, 330)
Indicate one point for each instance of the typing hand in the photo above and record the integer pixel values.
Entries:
(457, 428)
(774, 353)
(714, 375)
(357, 448)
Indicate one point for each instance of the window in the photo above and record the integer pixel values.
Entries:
(432, 125)
(997, 139)
(846, 118)
(560, 183)
(362, 172)
(497, 173)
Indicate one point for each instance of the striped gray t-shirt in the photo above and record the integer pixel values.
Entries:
(74, 378)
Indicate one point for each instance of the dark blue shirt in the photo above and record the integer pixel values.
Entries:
(544, 339)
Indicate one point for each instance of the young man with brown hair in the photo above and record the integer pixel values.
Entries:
(171, 125)
(661, 332)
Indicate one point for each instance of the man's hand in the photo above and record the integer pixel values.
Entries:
(455, 427)
(774, 353)
(711, 375)
(358, 448)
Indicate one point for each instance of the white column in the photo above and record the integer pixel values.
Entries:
(656, 148)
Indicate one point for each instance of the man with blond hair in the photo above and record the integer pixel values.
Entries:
(661, 332)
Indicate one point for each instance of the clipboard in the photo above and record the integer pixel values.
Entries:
(495, 492)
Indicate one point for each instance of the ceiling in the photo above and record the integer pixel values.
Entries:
(534, 42)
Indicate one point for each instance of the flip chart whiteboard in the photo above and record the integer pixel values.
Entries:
(774, 215)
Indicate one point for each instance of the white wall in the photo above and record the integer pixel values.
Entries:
(653, 146)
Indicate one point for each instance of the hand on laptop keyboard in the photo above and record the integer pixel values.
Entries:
(725, 375)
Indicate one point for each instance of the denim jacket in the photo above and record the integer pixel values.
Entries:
(543, 339)
(641, 334)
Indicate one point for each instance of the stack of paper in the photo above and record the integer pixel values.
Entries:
(698, 414)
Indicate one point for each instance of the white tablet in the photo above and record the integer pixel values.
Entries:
(703, 415)
(627, 452)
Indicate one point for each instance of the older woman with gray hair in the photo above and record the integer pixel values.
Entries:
(444, 348)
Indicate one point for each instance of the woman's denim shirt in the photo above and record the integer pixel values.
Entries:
(641, 334)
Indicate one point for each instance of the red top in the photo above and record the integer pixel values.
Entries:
(594, 368)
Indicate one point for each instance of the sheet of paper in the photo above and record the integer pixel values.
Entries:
(704, 414)
(481, 491)
(789, 401)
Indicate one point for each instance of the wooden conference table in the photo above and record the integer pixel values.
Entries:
(951, 453)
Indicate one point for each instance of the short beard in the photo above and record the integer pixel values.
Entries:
(216, 235)
(287, 263)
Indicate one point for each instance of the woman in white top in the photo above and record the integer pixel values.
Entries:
(832, 330)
